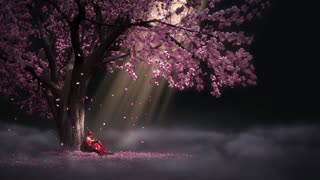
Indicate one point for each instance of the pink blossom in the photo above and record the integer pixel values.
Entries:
(183, 53)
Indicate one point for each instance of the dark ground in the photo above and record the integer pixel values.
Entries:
(271, 153)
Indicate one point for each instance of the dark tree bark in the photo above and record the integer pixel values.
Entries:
(71, 110)
(70, 121)
(71, 127)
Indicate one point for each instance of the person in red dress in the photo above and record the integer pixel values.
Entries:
(92, 144)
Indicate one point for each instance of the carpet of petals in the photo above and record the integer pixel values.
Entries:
(65, 158)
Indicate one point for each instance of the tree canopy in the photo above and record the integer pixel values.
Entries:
(186, 42)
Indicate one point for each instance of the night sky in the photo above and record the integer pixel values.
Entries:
(285, 55)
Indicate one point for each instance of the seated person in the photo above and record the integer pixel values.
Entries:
(91, 144)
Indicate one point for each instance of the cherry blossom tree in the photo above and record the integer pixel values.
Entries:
(49, 49)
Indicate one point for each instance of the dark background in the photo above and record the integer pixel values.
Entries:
(286, 59)
(286, 55)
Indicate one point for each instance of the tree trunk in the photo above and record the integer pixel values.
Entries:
(71, 127)
(70, 121)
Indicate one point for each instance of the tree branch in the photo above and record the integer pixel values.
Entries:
(175, 41)
(112, 59)
(51, 59)
(101, 23)
(172, 25)
(70, 53)
(46, 82)
(144, 24)
(106, 44)
(65, 17)
(36, 15)
(99, 18)
(75, 37)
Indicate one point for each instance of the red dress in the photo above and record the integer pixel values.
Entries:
(92, 144)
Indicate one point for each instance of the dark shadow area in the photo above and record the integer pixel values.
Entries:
(285, 54)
